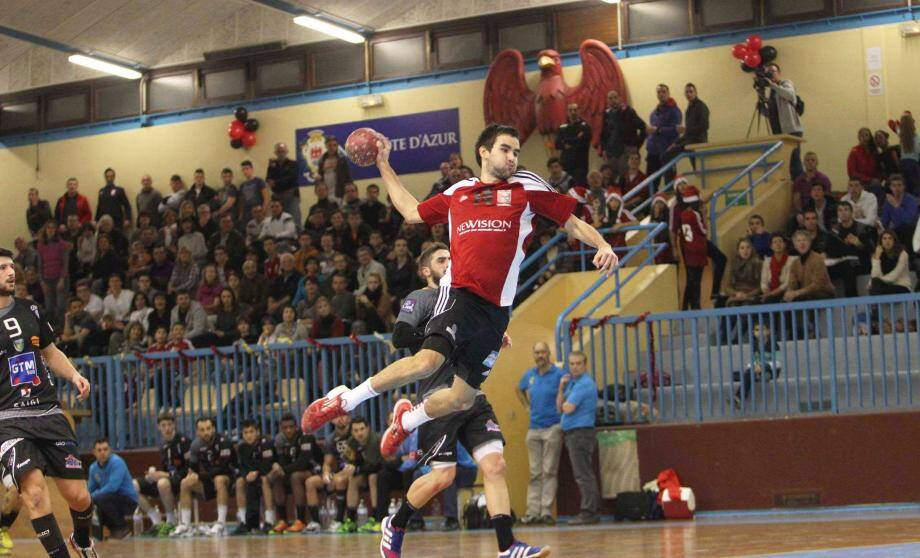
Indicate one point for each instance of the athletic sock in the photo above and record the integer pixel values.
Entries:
(502, 524)
(340, 506)
(415, 418)
(281, 510)
(49, 534)
(353, 514)
(222, 514)
(154, 515)
(171, 517)
(186, 515)
(353, 398)
(7, 519)
(241, 515)
(314, 513)
(270, 517)
(403, 514)
(82, 523)
(301, 513)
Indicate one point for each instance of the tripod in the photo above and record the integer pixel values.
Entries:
(761, 110)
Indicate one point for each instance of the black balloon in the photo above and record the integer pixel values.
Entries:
(252, 125)
(767, 54)
(241, 114)
(746, 69)
(236, 143)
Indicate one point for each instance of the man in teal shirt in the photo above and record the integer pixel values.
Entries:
(537, 390)
(111, 489)
(577, 401)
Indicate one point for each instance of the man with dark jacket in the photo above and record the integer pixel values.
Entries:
(849, 246)
(113, 201)
(573, 141)
(623, 132)
(200, 192)
(695, 128)
(282, 178)
(333, 168)
(662, 130)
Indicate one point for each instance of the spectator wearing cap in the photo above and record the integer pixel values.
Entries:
(865, 205)
(693, 244)
(615, 217)
(719, 260)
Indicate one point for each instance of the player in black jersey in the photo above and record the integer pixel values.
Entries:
(296, 471)
(255, 457)
(211, 462)
(163, 483)
(35, 439)
(476, 428)
(337, 468)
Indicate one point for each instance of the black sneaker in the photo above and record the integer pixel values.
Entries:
(416, 525)
(241, 530)
(451, 524)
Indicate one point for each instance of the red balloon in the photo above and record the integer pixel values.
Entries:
(236, 129)
(739, 51)
(754, 42)
(752, 60)
(249, 139)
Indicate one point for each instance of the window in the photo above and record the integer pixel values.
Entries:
(225, 84)
(19, 116)
(460, 49)
(720, 13)
(789, 8)
(171, 92)
(70, 109)
(286, 75)
(658, 19)
(527, 38)
(117, 100)
(399, 57)
(339, 65)
(593, 22)
(865, 5)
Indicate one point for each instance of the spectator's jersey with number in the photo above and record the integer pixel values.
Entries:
(175, 455)
(258, 456)
(694, 245)
(30, 390)
(300, 454)
(213, 458)
(339, 446)
(490, 227)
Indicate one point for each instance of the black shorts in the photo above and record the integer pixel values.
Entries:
(468, 331)
(149, 487)
(47, 443)
(437, 439)
(209, 490)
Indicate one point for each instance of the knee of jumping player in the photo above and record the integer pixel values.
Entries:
(443, 477)
(493, 466)
(32, 494)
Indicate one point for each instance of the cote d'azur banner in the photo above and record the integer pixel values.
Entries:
(421, 142)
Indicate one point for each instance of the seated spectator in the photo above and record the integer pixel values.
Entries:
(801, 187)
(184, 274)
(305, 251)
(282, 289)
(289, 329)
(337, 227)
(135, 339)
(323, 202)
(631, 178)
(253, 289)
(862, 162)
(91, 303)
(900, 210)
(268, 330)
(808, 277)
(140, 311)
(374, 305)
(169, 231)
(209, 289)
(865, 206)
(107, 263)
(351, 201)
(161, 315)
(774, 277)
(79, 327)
(824, 206)
(661, 213)
(253, 228)
(111, 489)
(372, 211)
(343, 299)
(85, 244)
(325, 323)
(356, 233)
(174, 200)
(306, 296)
(616, 217)
(888, 156)
(850, 244)
(367, 265)
(179, 341)
(26, 255)
(890, 267)
(223, 266)
(226, 318)
(280, 226)
(204, 223)
(244, 332)
(439, 234)
(232, 242)
(817, 236)
(759, 237)
(341, 264)
(138, 262)
(118, 300)
(271, 266)
(765, 364)
(161, 269)
(316, 224)
(34, 285)
(191, 315)
(742, 285)
(327, 253)
(143, 285)
(193, 241)
(106, 226)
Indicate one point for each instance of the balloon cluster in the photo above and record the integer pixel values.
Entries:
(753, 53)
(242, 130)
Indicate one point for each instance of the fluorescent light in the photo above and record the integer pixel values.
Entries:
(611, 1)
(328, 28)
(103, 66)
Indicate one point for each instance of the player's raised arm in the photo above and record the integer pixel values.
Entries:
(64, 369)
(404, 202)
(605, 260)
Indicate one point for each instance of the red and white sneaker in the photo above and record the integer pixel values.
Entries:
(323, 410)
(395, 435)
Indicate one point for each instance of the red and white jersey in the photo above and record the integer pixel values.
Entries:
(490, 226)
(694, 244)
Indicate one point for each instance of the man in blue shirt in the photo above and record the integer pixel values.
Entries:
(111, 489)
(577, 401)
(537, 390)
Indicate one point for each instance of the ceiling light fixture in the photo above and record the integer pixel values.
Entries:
(103, 66)
(331, 29)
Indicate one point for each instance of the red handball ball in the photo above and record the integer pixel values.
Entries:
(361, 146)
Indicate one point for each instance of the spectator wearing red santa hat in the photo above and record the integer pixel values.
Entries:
(718, 258)
(661, 213)
(616, 217)
(693, 242)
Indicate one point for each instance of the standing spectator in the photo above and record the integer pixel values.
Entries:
(573, 141)
(401, 270)
(200, 192)
(38, 213)
(111, 488)
(117, 302)
(174, 200)
(537, 390)
(227, 195)
(862, 162)
(148, 201)
(576, 400)
(282, 178)
(910, 154)
(696, 128)
(890, 267)
(372, 211)
(558, 178)
(113, 201)
(333, 168)
(782, 113)
(801, 187)
(662, 130)
(888, 156)
(865, 206)
(774, 277)
(693, 248)
(253, 192)
(622, 134)
(374, 305)
(808, 277)
(54, 258)
(72, 203)
(743, 282)
(851, 243)
(900, 210)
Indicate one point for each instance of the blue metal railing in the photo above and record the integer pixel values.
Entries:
(830, 356)
(229, 383)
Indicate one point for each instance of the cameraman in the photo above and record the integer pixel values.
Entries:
(780, 109)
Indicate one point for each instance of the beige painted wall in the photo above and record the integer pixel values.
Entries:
(828, 70)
